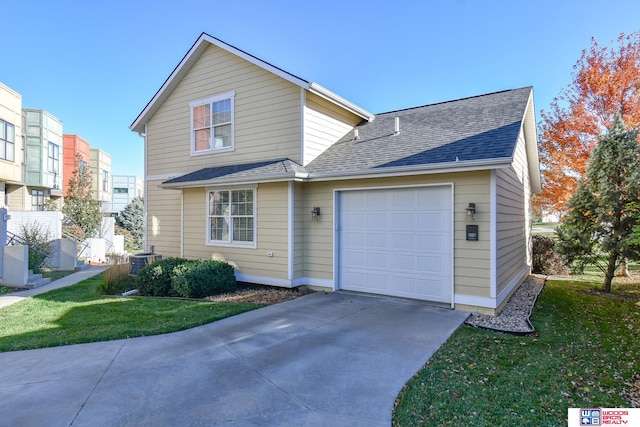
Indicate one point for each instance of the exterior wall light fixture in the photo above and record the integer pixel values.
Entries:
(315, 213)
(471, 211)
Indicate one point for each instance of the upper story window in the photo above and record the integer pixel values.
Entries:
(7, 141)
(120, 190)
(53, 161)
(105, 180)
(212, 124)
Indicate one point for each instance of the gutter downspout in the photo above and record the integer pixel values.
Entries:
(144, 205)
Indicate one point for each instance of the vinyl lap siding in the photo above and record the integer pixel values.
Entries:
(271, 220)
(267, 116)
(163, 220)
(472, 267)
(325, 123)
(513, 218)
(299, 237)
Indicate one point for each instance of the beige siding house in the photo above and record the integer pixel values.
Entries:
(295, 185)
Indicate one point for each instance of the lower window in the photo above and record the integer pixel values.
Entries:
(37, 200)
(231, 217)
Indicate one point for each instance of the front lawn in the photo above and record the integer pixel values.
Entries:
(77, 314)
(586, 348)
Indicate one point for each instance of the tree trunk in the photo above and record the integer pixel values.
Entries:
(611, 270)
(623, 270)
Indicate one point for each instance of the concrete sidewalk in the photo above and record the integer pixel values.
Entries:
(69, 280)
(325, 359)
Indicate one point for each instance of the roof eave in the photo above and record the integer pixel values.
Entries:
(531, 145)
(461, 166)
(230, 181)
(340, 101)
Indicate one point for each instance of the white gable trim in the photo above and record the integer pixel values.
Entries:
(196, 51)
(531, 143)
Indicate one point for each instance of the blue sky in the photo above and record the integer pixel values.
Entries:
(95, 65)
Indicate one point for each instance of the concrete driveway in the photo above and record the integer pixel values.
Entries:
(324, 359)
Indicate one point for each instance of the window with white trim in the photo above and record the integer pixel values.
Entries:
(231, 217)
(212, 124)
(7, 141)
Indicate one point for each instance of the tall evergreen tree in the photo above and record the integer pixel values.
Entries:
(132, 219)
(79, 206)
(603, 212)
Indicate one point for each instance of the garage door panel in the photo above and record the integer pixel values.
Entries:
(377, 260)
(404, 241)
(431, 220)
(396, 242)
(403, 221)
(377, 240)
(373, 201)
(432, 242)
(412, 287)
(353, 220)
(432, 265)
(375, 220)
(355, 239)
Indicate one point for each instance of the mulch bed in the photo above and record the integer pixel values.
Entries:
(265, 295)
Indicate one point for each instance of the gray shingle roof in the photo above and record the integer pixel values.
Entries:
(478, 128)
(270, 169)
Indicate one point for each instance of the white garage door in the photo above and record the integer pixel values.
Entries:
(396, 242)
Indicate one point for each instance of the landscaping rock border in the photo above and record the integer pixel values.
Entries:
(514, 317)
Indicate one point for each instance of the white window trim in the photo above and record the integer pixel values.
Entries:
(249, 245)
(228, 95)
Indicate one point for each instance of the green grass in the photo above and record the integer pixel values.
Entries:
(77, 314)
(587, 345)
(536, 228)
(56, 274)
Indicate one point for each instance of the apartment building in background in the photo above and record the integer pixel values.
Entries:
(37, 159)
(101, 178)
(125, 188)
(12, 194)
(74, 145)
(43, 157)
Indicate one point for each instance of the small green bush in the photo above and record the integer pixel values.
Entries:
(155, 279)
(203, 278)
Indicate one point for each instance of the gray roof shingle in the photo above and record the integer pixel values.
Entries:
(478, 128)
(272, 169)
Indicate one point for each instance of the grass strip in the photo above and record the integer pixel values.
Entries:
(586, 348)
(77, 314)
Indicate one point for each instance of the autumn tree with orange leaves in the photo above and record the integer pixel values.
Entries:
(606, 81)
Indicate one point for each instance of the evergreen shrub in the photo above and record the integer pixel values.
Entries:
(200, 279)
(155, 279)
